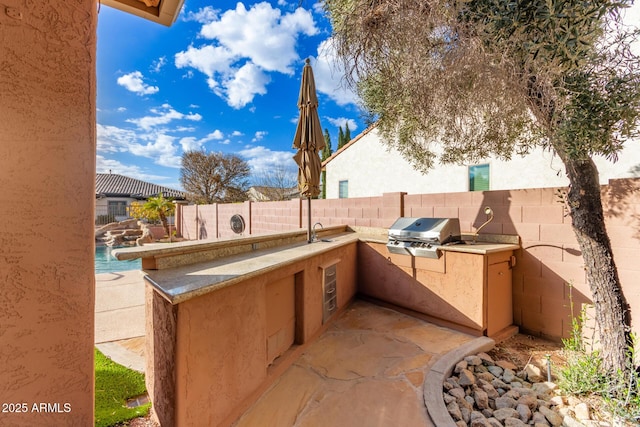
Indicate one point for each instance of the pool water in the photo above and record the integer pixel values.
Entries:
(106, 263)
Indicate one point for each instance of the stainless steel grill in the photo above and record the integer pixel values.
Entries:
(422, 236)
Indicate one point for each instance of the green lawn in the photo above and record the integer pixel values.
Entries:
(114, 385)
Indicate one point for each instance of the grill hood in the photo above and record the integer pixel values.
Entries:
(434, 230)
(422, 236)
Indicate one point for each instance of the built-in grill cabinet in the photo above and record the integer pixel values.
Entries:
(422, 236)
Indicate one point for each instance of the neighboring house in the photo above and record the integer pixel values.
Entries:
(266, 194)
(114, 194)
(366, 167)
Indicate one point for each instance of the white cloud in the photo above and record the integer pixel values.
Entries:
(215, 135)
(121, 109)
(112, 139)
(104, 165)
(203, 15)
(261, 34)
(246, 45)
(156, 66)
(162, 116)
(259, 135)
(209, 60)
(245, 84)
(343, 121)
(160, 148)
(237, 133)
(191, 143)
(134, 82)
(262, 159)
(185, 129)
(329, 75)
(152, 139)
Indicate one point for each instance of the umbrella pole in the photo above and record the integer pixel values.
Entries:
(309, 219)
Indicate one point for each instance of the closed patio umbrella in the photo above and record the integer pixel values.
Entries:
(308, 140)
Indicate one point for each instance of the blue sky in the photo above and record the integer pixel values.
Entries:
(225, 77)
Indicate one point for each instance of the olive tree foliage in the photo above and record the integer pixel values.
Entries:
(214, 177)
(458, 81)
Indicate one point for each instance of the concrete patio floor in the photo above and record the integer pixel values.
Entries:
(119, 317)
(373, 366)
(367, 369)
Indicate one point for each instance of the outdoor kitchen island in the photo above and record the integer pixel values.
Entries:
(467, 287)
(226, 318)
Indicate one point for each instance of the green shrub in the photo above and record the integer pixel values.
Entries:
(584, 375)
(622, 396)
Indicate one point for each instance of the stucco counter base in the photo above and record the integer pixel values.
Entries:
(220, 332)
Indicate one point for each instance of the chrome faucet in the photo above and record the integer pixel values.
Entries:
(314, 236)
(488, 211)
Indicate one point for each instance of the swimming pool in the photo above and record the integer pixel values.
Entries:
(106, 263)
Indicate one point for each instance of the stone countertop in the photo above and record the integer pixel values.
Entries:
(482, 248)
(191, 246)
(183, 283)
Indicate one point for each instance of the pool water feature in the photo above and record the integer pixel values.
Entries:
(106, 263)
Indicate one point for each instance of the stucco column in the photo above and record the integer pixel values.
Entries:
(47, 180)
(179, 216)
(393, 205)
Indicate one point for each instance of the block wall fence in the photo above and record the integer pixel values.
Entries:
(549, 277)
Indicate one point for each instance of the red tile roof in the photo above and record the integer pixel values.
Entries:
(114, 185)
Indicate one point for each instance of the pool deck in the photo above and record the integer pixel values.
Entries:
(372, 366)
(119, 317)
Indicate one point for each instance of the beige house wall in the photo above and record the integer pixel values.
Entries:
(102, 206)
(47, 170)
(549, 274)
(372, 169)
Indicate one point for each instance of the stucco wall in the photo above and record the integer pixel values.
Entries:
(47, 171)
(373, 169)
